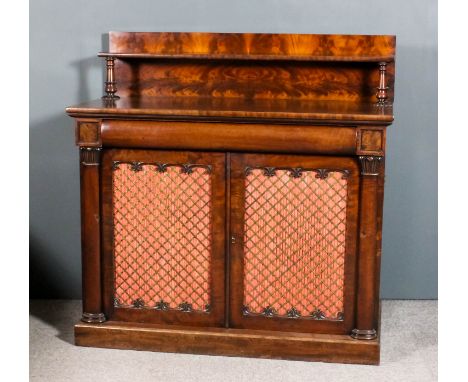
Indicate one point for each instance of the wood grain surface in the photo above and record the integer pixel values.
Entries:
(232, 109)
(276, 45)
(229, 342)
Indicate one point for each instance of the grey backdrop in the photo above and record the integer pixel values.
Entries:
(66, 35)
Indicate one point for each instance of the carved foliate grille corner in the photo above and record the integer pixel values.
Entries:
(185, 307)
(296, 172)
(370, 165)
(161, 305)
(322, 173)
(138, 303)
(293, 313)
(269, 311)
(317, 314)
(136, 166)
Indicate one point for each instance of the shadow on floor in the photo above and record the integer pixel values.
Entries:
(62, 315)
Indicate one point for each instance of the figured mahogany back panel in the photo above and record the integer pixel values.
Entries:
(338, 81)
(252, 66)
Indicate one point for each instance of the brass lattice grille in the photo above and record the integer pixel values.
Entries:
(294, 243)
(162, 236)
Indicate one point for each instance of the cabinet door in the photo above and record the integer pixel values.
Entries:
(163, 236)
(293, 228)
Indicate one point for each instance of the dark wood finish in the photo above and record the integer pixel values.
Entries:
(246, 57)
(229, 100)
(216, 136)
(90, 234)
(366, 299)
(378, 252)
(227, 244)
(311, 67)
(111, 88)
(229, 342)
(88, 133)
(251, 45)
(236, 110)
(383, 88)
(218, 178)
(305, 81)
(239, 163)
(371, 140)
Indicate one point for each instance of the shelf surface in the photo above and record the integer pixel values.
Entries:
(251, 46)
(232, 108)
(248, 57)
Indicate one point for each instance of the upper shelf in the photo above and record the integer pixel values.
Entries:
(256, 68)
(253, 57)
(250, 46)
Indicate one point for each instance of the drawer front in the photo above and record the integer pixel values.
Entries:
(229, 137)
(293, 242)
(164, 236)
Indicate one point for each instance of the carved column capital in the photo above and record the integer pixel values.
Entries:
(90, 156)
(370, 165)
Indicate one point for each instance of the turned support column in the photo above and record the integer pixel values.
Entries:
(90, 158)
(110, 87)
(383, 88)
(366, 298)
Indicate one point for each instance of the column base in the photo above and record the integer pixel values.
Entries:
(93, 318)
(364, 334)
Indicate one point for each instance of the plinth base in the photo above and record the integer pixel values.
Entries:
(229, 342)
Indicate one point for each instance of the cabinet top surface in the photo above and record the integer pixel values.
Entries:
(232, 108)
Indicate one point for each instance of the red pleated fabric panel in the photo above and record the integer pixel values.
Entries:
(295, 242)
(162, 236)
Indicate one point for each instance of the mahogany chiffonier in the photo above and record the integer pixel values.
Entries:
(231, 194)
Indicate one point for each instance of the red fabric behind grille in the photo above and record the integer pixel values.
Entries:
(162, 236)
(294, 242)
